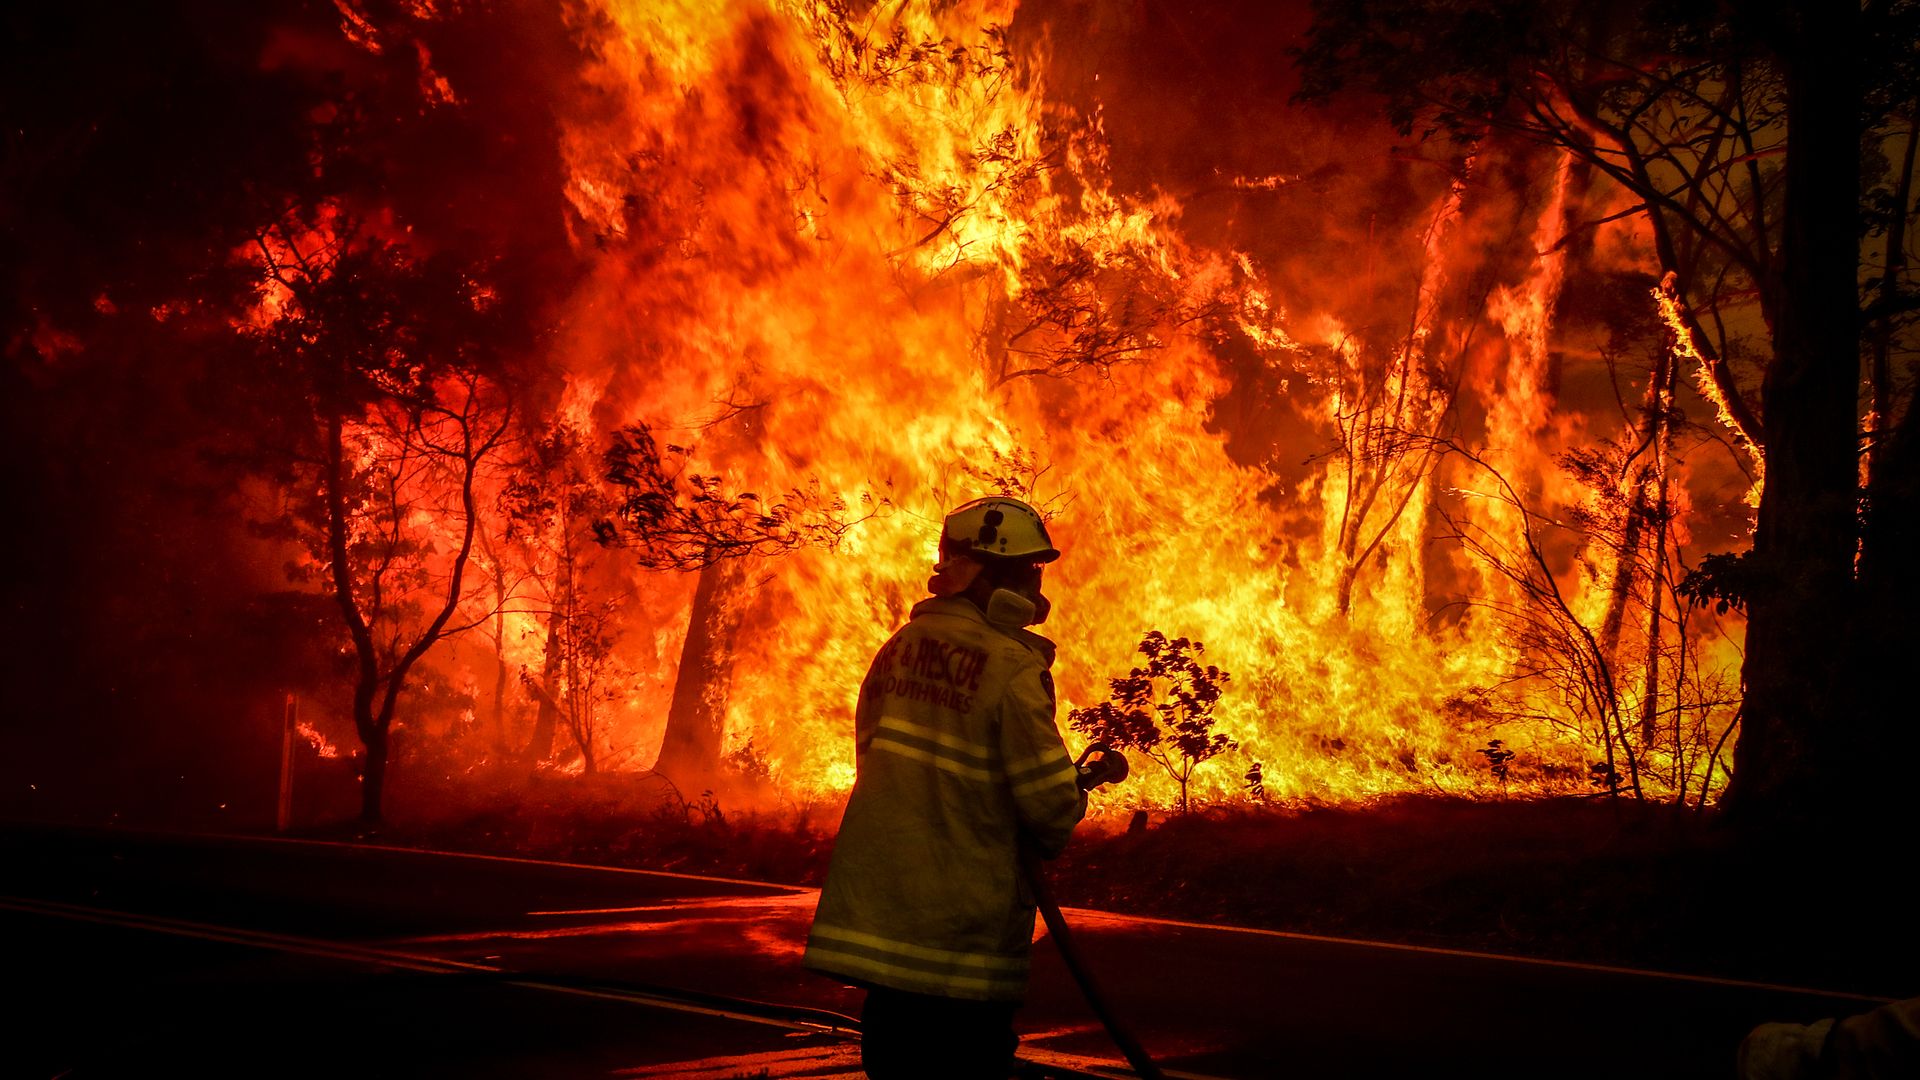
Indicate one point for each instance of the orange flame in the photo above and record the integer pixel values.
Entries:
(868, 252)
(1687, 347)
(315, 739)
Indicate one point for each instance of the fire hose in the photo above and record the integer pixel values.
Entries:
(1109, 768)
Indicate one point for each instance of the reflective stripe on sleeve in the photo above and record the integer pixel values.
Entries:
(1062, 774)
(1019, 770)
(1048, 767)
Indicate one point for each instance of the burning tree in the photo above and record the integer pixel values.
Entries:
(1163, 709)
(397, 418)
(585, 670)
(1080, 299)
(1084, 308)
(674, 519)
(1555, 645)
(554, 507)
(1390, 407)
(1738, 130)
(1575, 664)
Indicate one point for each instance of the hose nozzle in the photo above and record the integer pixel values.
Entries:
(1108, 767)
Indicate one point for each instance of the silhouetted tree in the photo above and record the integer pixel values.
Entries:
(673, 519)
(146, 146)
(1498, 760)
(388, 356)
(555, 506)
(504, 578)
(1163, 709)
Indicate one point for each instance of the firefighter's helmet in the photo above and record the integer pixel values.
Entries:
(997, 527)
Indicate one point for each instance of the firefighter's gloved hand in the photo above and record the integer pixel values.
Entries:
(1109, 767)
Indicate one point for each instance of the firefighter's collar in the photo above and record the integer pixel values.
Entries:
(1007, 612)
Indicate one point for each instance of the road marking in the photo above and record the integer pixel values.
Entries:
(296, 841)
(615, 910)
(811, 1062)
(689, 903)
(514, 859)
(333, 950)
(844, 1027)
(1092, 915)
(1077, 913)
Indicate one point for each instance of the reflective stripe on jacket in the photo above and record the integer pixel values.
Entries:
(957, 754)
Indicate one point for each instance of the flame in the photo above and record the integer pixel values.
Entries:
(1687, 346)
(865, 250)
(316, 740)
(930, 213)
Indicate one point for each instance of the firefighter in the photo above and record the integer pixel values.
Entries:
(959, 763)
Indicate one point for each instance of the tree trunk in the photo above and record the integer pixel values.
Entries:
(1650, 685)
(696, 719)
(1889, 637)
(1790, 764)
(1626, 565)
(540, 744)
(501, 738)
(1343, 588)
(373, 782)
(1656, 474)
(367, 672)
(1889, 574)
(589, 761)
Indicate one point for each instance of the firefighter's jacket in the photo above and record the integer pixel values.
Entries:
(958, 756)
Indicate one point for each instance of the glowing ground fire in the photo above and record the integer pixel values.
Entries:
(859, 266)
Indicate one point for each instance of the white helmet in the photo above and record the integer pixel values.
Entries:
(997, 527)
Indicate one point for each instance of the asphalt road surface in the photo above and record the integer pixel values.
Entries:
(135, 954)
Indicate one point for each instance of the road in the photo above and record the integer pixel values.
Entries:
(136, 954)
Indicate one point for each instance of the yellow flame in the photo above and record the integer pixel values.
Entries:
(855, 247)
(1687, 347)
